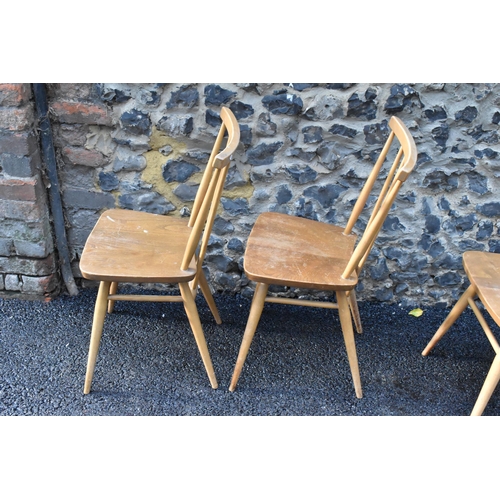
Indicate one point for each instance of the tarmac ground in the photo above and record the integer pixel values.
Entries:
(149, 365)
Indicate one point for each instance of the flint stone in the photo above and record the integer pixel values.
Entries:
(108, 181)
(286, 104)
(176, 125)
(216, 95)
(186, 97)
(178, 170)
(241, 110)
(147, 202)
(265, 127)
(326, 194)
(362, 109)
(238, 206)
(186, 192)
(263, 154)
(491, 209)
(301, 175)
(324, 108)
(435, 114)
(136, 122)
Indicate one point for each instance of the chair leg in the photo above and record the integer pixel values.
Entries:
(258, 300)
(95, 337)
(348, 332)
(488, 387)
(205, 289)
(194, 321)
(112, 290)
(457, 310)
(353, 304)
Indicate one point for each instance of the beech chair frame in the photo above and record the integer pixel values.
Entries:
(341, 267)
(483, 271)
(119, 232)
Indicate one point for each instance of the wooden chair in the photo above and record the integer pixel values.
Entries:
(127, 246)
(483, 271)
(292, 251)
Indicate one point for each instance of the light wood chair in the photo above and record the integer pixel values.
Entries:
(127, 246)
(483, 271)
(293, 251)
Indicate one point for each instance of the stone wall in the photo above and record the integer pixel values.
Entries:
(305, 150)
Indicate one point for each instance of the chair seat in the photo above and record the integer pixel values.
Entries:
(483, 271)
(293, 251)
(117, 251)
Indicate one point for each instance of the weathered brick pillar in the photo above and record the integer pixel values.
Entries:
(27, 260)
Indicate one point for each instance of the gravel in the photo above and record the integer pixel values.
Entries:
(149, 365)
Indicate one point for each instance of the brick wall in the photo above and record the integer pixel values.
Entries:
(28, 265)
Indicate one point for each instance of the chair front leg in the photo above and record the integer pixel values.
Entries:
(258, 300)
(194, 321)
(205, 289)
(95, 337)
(457, 310)
(488, 387)
(353, 304)
(348, 332)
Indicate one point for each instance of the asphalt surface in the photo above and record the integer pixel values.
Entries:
(149, 365)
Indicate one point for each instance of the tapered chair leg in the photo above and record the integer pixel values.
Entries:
(95, 337)
(112, 290)
(194, 321)
(205, 289)
(348, 332)
(488, 387)
(353, 304)
(258, 300)
(457, 310)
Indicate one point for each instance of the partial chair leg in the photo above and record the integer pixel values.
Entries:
(488, 387)
(253, 320)
(205, 289)
(194, 321)
(348, 332)
(112, 290)
(353, 304)
(457, 310)
(95, 337)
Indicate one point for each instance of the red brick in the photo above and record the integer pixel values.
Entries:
(71, 91)
(14, 94)
(77, 112)
(74, 134)
(85, 157)
(28, 211)
(17, 118)
(39, 285)
(18, 144)
(16, 189)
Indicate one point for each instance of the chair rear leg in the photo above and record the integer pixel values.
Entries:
(353, 304)
(488, 387)
(95, 337)
(348, 332)
(194, 321)
(258, 300)
(457, 310)
(112, 290)
(205, 289)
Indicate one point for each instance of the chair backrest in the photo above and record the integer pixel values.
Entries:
(210, 190)
(403, 164)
